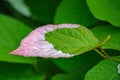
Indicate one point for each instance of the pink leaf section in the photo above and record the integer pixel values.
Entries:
(35, 45)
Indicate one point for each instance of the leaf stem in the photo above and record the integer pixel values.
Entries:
(115, 59)
(100, 53)
(103, 53)
(106, 39)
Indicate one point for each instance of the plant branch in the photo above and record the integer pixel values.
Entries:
(100, 53)
(115, 59)
(106, 40)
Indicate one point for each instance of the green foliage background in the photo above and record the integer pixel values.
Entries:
(19, 17)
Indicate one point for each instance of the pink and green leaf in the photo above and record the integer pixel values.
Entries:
(54, 41)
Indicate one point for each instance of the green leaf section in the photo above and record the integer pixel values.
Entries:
(79, 65)
(73, 76)
(20, 6)
(11, 33)
(102, 32)
(46, 66)
(107, 10)
(105, 70)
(74, 11)
(43, 10)
(12, 71)
(39, 10)
(72, 40)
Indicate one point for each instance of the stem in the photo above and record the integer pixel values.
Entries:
(100, 53)
(115, 59)
(106, 39)
(103, 53)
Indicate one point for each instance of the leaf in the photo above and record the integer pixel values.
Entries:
(77, 66)
(81, 63)
(106, 10)
(102, 32)
(12, 71)
(72, 40)
(73, 76)
(48, 67)
(20, 6)
(40, 10)
(74, 11)
(11, 33)
(68, 40)
(105, 70)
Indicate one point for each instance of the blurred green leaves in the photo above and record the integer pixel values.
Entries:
(11, 33)
(102, 32)
(20, 6)
(72, 76)
(13, 71)
(74, 11)
(106, 10)
(78, 65)
(101, 16)
(105, 70)
(39, 10)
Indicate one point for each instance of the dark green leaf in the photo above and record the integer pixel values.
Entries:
(73, 76)
(10, 71)
(78, 64)
(41, 10)
(46, 66)
(74, 11)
